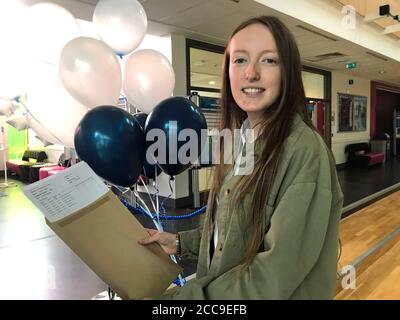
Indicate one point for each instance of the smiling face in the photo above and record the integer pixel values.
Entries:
(254, 70)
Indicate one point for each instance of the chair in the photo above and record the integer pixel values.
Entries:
(29, 158)
(47, 171)
(35, 175)
(360, 155)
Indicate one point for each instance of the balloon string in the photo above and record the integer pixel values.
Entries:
(148, 212)
(156, 188)
(54, 65)
(169, 196)
(152, 202)
(122, 190)
(180, 280)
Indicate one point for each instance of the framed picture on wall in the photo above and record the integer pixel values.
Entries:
(352, 112)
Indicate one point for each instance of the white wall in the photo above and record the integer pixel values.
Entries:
(53, 153)
(361, 87)
(178, 44)
(3, 141)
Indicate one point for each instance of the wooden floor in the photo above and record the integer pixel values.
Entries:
(378, 275)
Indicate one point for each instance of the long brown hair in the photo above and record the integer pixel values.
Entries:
(274, 128)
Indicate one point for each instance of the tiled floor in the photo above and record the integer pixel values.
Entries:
(36, 264)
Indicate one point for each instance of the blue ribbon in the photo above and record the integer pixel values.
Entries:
(139, 210)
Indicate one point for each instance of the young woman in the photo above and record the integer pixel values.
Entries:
(271, 233)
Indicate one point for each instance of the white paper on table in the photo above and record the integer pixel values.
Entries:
(66, 192)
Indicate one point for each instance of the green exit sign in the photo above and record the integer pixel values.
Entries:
(351, 65)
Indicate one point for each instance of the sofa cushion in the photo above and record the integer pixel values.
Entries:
(375, 158)
(355, 147)
(44, 172)
(29, 158)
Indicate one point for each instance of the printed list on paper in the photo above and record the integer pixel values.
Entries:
(66, 192)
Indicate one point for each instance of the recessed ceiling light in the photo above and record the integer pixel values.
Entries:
(211, 82)
(382, 71)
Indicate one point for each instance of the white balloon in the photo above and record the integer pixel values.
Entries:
(122, 24)
(40, 73)
(58, 112)
(50, 27)
(18, 120)
(12, 82)
(90, 71)
(45, 142)
(148, 79)
(13, 53)
(43, 134)
(7, 107)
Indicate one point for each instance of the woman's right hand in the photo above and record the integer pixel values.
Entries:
(166, 240)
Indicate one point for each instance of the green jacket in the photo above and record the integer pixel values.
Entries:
(300, 249)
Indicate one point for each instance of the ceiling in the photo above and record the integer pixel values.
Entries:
(365, 7)
(214, 20)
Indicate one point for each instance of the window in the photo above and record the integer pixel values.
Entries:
(313, 84)
(204, 76)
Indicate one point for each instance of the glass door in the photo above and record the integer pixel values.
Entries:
(317, 86)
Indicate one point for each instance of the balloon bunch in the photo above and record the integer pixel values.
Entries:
(111, 140)
(66, 74)
(113, 143)
(117, 145)
(72, 96)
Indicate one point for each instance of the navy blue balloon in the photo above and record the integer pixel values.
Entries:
(187, 116)
(150, 171)
(112, 143)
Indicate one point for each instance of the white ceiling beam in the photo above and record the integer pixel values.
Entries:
(391, 29)
(372, 16)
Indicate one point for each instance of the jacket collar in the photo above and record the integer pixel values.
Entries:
(296, 128)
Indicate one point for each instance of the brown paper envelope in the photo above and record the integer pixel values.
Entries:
(105, 235)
